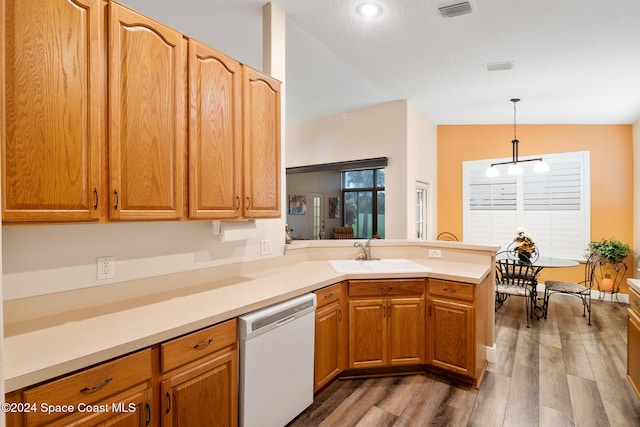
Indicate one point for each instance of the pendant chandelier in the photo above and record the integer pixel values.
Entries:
(515, 169)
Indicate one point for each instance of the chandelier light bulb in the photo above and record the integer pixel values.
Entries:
(541, 167)
(492, 172)
(515, 169)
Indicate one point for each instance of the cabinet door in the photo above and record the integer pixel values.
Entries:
(147, 72)
(215, 134)
(53, 110)
(205, 395)
(633, 351)
(406, 331)
(367, 333)
(261, 145)
(330, 344)
(451, 338)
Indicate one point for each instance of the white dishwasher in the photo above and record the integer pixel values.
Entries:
(276, 362)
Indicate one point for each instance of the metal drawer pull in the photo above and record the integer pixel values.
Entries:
(202, 344)
(95, 193)
(328, 296)
(115, 192)
(168, 409)
(386, 288)
(96, 387)
(237, 202)
(451, 291)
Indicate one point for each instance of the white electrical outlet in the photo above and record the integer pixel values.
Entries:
(265, 247)
(435, 253)
(106, 267)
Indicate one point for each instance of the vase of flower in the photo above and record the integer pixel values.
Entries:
(524, 246)
(524, 257)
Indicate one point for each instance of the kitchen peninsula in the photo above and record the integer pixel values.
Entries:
(50, 336)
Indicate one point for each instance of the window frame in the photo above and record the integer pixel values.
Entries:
(558, 232)
(374, 190)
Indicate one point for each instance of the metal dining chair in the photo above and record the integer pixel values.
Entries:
(446, 235)
(581, 289)
(516, 278)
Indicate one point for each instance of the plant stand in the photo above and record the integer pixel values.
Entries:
(616, 271)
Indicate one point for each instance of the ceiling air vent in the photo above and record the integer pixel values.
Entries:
(456, 9)
(498, 66)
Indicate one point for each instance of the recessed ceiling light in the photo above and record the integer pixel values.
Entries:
(369, 10)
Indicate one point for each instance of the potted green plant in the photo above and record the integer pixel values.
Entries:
(611, 250)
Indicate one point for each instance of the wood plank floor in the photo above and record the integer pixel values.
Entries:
(559, 372)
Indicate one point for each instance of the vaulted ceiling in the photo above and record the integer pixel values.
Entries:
(574, 61)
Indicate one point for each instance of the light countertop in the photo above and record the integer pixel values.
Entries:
(634, 284)
(96, 324)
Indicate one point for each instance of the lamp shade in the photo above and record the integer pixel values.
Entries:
(541, 167)
(492, 172)
(515, 169)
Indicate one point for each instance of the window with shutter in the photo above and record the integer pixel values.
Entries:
(553, 206)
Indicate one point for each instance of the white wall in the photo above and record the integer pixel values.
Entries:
(378, 131)
(422, 165)
(395, 130)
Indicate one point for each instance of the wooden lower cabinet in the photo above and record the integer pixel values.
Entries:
(204, 395)
(330, 335)
(117, 393)
(633, 341)
(199, 380)
(386, 331)
(188, 381)
(451, 331)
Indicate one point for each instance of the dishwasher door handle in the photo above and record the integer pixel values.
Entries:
(286, 320)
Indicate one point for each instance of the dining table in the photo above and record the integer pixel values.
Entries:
(540, 263)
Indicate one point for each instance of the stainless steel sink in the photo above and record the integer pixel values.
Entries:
(392, 265)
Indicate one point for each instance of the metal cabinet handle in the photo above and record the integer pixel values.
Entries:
(450, 290)
(117, 199)
(147, 407)
(237, 202)
(248, 202)
(328, 296)
(95, 194)
(168, 397)
(385, 288)
(96, 387)
(202, 344)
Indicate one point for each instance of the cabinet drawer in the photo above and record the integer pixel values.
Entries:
(634, 301)
(188, 348)
(368, 288)
(448, 289)
(90, 385)
(326, 296)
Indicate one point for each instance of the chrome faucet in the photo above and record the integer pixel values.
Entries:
(366, 250)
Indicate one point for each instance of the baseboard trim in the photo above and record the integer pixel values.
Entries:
(491, 353)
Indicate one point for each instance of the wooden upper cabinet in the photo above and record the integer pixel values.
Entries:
(147, 109)
(215, 134)
(51, 129)
(261, 145)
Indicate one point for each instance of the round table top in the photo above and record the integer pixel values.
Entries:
(547, 262)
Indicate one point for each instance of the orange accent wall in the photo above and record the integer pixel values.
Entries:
(611, 148)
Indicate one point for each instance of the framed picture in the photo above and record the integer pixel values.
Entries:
(297, 205)
(334, 207)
